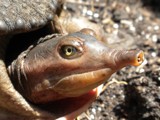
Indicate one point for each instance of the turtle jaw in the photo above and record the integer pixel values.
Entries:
(82, 90)
(70, 86)
(79, 84)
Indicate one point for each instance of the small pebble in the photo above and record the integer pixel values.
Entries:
(156, 27)
(140, 18)
(132, 28)
(154, 38)
(84, 11)
(153, 54)
(141, 70)
(127, 22)
(99, 109)
(89, 12)
(149, 28)
(94, 110)
(96, 15)
(116, 26)
(143, 33)
(128, 9)
(147, 36)
(92, 117)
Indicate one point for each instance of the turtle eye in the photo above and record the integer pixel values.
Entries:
(69, 52)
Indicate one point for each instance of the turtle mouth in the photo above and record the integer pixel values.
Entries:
(77, 100)
(69, 108)
(78, 84)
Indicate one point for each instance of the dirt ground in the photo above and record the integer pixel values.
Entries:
(140, 98)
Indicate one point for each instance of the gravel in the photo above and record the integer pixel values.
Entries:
(140, 98)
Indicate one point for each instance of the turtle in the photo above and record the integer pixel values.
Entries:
(63, 71)
(59, 75)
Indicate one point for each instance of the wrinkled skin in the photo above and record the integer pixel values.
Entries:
(16, 105)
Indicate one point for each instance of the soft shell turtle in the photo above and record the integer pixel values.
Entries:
(59, 73)
(57, 77)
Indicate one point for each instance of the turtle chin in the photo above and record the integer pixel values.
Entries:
(78, 84)
(79, 96)
(69, 108)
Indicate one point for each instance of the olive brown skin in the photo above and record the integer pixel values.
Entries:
(68, 66)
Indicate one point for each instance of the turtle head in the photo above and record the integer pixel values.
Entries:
(69, 66)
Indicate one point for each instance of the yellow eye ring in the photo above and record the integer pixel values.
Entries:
(68, 51)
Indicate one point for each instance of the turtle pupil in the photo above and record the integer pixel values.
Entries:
(69, 50)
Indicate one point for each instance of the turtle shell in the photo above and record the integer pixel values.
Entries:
(22, 15)
(19, 16)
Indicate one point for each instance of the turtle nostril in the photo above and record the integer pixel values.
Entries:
(129, 57)
(140, 57)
